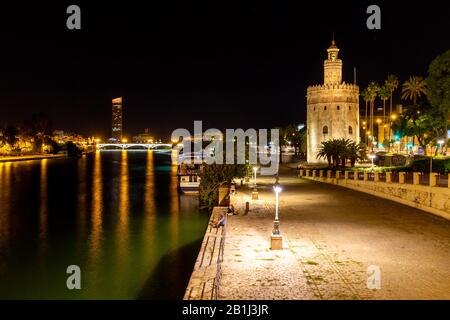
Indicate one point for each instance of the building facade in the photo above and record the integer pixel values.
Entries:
(117, 128)
(332, 107)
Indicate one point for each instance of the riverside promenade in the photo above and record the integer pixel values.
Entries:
(332, 237)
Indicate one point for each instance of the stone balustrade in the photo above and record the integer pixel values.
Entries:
(431, 197)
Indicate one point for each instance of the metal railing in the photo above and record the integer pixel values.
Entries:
(215, 294)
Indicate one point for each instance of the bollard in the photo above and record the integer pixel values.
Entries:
(338, 175)
(366, 176)
(307, 173)
(388, 177)
(247, 207)
(300, 174)
(346, 175)
(416, 177)
(321, 174)
(314, 173)
(329, 174)
(433, 179)
(376, 177)
(401, 177)
(355, 175)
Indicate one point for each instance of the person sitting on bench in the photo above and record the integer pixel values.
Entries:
(220, 223)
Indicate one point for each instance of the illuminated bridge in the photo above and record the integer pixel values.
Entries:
(135, 146)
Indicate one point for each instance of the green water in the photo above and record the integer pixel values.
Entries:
(117, 215)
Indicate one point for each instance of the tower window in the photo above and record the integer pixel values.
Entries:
(314, 108)
(325, 108)
(350, 130)
(325, 130)
(349, 107)
(338, 108)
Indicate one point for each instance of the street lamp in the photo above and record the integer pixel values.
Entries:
(441, 142)
(255, 169)
(276, 240)
(372, 156)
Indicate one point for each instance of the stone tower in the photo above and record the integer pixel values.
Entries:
(332, 107)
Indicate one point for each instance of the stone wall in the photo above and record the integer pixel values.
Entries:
(432, 198)
(203, 282)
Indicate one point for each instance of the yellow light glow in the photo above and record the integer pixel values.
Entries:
(124, 140)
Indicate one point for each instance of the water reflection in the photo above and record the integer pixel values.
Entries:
(5, 190)
(82, 198)
(117, 215)
(97, 211)
(122, 226)
(174, 207)
(43, 209)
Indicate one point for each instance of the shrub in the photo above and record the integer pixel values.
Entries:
(423, 165)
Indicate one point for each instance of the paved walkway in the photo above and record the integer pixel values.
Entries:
(331, 237)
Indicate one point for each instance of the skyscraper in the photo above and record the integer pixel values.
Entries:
(117, 118)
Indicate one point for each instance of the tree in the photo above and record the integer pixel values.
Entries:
(366, 98)
(338, 151)
(438, 85)
(391, 84)
(213, 176)
(10, 133)
(384, 94)
(297, 138)
(372, 90)
(355, 152)
(326, 151)
(414, 88)
(422, 121)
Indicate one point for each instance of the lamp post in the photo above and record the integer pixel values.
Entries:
(255, 190)
(372, 156)
(276, 240)
(441, 142)
(255, 169)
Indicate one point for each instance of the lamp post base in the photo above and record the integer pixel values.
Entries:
(276, 242)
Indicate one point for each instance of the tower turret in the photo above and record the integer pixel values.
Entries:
(332, 66)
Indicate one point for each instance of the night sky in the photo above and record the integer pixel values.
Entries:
(230, 64)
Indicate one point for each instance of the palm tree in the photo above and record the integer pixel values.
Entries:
(326, 151)
(365, 96)
(372, 90)
(384, 95)
(355, 151)
(414, 88)
(392, 84)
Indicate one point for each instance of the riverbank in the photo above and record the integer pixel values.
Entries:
(205, 277)
(31, 157)
(333, 239)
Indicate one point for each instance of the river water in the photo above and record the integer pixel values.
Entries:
(115, 214)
